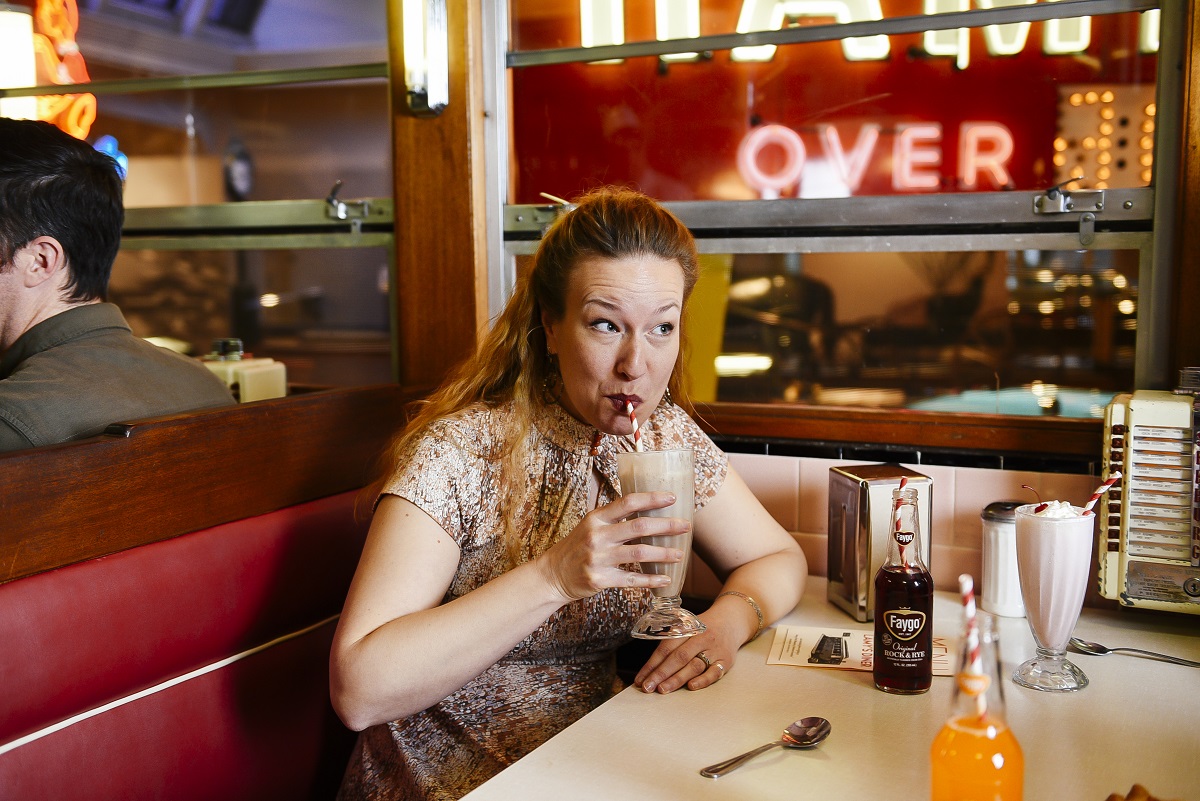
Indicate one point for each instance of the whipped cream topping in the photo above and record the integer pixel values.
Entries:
(1059, 509)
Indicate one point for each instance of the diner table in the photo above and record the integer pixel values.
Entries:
(1137, 722)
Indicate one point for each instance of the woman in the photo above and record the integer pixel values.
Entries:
(500, 571)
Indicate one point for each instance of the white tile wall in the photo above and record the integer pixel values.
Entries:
(774, 480)
(795, 490)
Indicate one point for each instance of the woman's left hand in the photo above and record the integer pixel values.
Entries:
(678, 663)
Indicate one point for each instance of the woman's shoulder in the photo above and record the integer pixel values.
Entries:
(671, 421)
(479, 430)
(456, 449)
(477, 417)
(674, 428)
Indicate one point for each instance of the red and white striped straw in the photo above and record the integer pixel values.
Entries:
(637, 432)
(974, 663)
(896, 511)
(1103, 488)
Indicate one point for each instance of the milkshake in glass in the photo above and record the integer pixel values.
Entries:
(1054, 555)
(664, 471)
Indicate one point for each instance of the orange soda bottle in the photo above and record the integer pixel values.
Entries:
(976, 757)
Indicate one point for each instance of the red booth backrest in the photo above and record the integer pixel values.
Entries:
(180, 648)
(243, 612)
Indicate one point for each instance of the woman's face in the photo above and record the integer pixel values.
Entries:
(618, 338)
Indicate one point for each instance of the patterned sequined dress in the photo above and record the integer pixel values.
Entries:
(565, 668)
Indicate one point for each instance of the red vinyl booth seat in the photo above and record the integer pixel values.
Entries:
(255, 600)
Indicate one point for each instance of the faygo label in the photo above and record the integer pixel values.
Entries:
(904, 624)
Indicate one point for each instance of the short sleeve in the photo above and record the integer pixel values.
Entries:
(711, 467)
(445, 480)
(673, 428)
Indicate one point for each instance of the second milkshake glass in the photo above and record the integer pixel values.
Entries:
(1053, 559)
(664, 471)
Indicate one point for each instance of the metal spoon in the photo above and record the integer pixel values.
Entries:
(1097, 649)
(804, 733)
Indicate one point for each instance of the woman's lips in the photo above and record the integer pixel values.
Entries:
(619, 401)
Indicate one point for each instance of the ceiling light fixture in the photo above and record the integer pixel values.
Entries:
(426, 56)
(17, 66)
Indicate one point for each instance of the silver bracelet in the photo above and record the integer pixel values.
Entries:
(753, 605)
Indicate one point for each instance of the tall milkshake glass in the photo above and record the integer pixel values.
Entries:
(664, 471)
(1054, 553)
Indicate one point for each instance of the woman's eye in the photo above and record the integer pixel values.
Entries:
(603, 325)
(664, 328)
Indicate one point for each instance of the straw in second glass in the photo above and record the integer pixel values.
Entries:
(1100, 490)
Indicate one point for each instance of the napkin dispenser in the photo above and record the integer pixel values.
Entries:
(860, 515)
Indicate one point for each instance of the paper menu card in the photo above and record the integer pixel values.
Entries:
(845, 649)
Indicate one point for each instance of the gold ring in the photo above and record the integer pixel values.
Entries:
(703, 657)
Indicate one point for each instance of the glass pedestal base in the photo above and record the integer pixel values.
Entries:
(1050, 672)
(667, 620)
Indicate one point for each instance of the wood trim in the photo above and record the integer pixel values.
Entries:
(173, 475)
(440, 271)
(1033, 436)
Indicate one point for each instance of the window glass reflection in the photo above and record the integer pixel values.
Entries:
(176, 37)
(1016, 106)
(195, 147)
(1013, 332)
(328, 326)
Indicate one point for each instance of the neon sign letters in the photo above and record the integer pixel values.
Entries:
(772, 158)
(60, 61)
(602, 23)
(984, 149)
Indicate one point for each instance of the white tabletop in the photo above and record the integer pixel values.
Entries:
(1138, 721)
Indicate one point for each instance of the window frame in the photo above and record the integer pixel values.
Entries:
(805, 224)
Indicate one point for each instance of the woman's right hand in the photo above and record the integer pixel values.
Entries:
(592, 556)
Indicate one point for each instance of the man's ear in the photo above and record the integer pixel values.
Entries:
(43, 259)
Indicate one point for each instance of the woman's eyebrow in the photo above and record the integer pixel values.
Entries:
(611, 306)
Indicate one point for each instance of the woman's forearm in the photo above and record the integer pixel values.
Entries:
(417, 660)
(775, 582)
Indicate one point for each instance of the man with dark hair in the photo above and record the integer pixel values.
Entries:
(69, 363)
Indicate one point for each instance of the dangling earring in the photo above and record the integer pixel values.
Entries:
(552, 383)
(667, 399)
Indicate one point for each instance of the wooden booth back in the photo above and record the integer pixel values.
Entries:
(169, 595)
